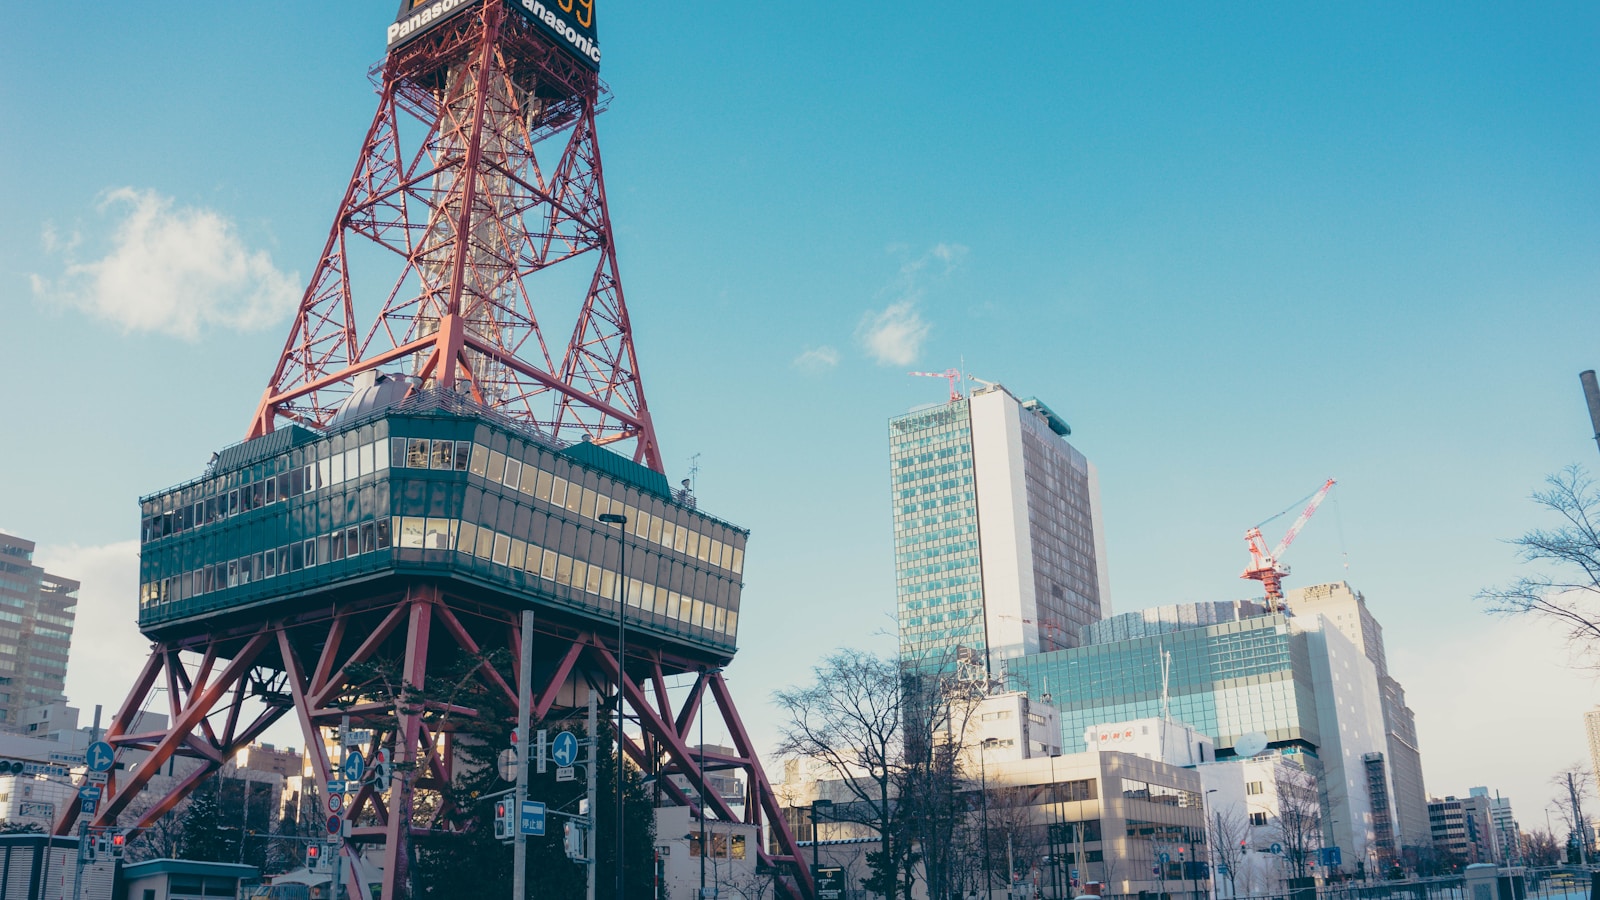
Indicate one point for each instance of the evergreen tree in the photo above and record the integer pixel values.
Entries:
(204, 837)
(474, 863)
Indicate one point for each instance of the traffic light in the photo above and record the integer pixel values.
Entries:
(12, 766)
(379, 770)
(313, 856)
(502, 820)
(1243, 847)
(119, 843)
(572, 840)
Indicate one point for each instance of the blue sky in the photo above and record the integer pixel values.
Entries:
(1241, 249)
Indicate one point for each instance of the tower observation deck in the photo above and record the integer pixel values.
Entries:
(418, 500)
(436, 488)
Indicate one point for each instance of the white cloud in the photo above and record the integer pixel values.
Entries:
(817, 359)
(894, 335)
(168, 269)
(107, 648)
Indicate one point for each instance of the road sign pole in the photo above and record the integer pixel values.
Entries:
(338, 855)
(519, 872)
(593, 723)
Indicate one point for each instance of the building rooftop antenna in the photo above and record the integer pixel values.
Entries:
(694, 470)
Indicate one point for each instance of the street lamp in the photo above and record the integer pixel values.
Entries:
(1210, 841)
(816, 834)
(622, 673)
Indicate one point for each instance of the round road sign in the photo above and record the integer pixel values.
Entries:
(564, 749)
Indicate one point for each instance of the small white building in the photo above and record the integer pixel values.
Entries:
(727, 859)
(1165, 740)
(1010, 727)
(1243, 812)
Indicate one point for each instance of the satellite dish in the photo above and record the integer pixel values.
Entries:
(1250, 744)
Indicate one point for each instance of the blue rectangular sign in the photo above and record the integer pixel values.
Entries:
(533, 818)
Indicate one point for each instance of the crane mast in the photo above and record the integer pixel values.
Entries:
(951, 375)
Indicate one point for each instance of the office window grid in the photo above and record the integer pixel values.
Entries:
(938, 575)
(1226, 680)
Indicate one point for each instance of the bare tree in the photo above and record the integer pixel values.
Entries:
(1016, 843)
(164, 836)
(1540, 848)
(1229, 830)
(1572, 784)
(1569, 593)
(1299, 820)
(849, 720)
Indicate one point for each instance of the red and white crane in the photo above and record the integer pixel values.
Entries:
(951, 375)
(1265, 566)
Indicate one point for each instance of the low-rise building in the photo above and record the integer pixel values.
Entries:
(1132, 824)
(184, 879)
(1253, 843)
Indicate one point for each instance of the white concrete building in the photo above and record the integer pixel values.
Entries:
(1346, 609)
(1167, 740)
(1350, 716)
(1008, 727)
(727, 859)
(1242, 806)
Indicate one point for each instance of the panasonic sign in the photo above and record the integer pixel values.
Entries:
(569, 22)
(416, 18)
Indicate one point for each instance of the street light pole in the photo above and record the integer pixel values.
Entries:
(1210, 844)
(622, 673)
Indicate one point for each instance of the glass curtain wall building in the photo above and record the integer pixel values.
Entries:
(37, 611)
(1299, 681)
(998, 548)
(1226, 680)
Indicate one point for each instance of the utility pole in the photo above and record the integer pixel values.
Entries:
(338, 856)
(1591, 396)
(1578, 826)
(519, 875)
(1011, 866)
(83, 821)
(594, 809)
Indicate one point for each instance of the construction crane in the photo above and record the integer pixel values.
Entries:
(1264, 565)
(951, 375)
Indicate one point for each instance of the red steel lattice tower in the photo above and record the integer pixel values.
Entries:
(477, 200)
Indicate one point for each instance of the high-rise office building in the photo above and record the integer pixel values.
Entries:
(1507, 836)
(36, 615)
(998, 548)
(1347, 610)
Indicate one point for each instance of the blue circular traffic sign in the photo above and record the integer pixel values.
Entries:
(354, 766)
(564, 749)
(99, 756)
(334, 823)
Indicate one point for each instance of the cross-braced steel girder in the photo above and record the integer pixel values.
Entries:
(480, 173)
(224, 688)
